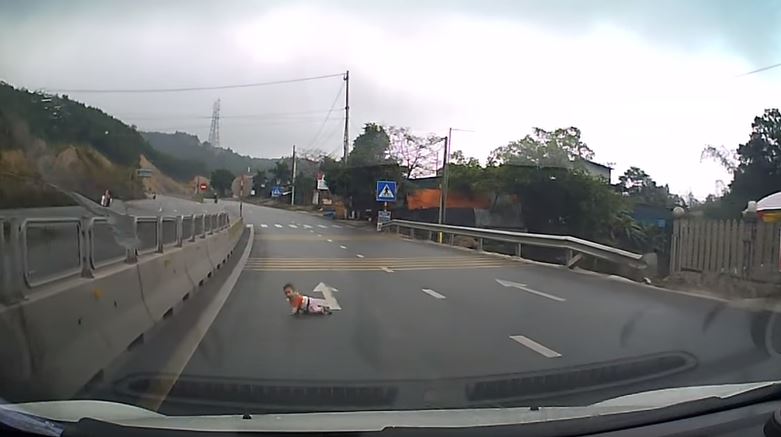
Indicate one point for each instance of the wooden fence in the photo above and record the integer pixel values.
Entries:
(742, 249)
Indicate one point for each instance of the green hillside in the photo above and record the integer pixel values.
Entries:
(60, 122)
(187, 146)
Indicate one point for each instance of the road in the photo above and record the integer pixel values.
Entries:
(421, 325)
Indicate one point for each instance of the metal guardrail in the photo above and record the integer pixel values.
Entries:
(38, 251)
(571, 245)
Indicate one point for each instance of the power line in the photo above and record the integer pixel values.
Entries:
(327, 116)
(188, 89)
(759, 70)
(268, 115)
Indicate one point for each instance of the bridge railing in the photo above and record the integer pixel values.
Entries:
(572, 247)
(39, 251)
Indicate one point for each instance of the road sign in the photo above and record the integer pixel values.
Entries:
(276, 191)
(382, 217)
(386, 191)
(203, 186)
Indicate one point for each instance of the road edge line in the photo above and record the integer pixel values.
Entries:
(187, 346)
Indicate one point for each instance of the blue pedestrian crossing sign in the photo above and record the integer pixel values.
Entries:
(276, 191)
(386, 191)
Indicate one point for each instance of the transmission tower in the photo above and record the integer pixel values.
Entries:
(214, 130)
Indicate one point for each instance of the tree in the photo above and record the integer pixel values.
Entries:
(559, 148)
(371, 146)
(417, 155)
(259, 182)
(221, 180)
(639, 187)
(305, 185)
(281, 172)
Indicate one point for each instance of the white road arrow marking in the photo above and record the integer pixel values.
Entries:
(328, 295)
(432, 293)
(529, 290)
(536, 347)
(386, 269)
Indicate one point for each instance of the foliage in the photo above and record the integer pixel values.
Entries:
(281, 172)
(60, 121)
(221, 180)
(559, 148)
(371, 147)
(417, 155)
(755, 167)
(259, 183)
(639, 187)
(305, 185)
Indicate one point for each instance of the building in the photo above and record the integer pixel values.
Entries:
(594, 169)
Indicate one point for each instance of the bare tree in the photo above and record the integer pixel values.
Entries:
(417, 155)
(727, 158)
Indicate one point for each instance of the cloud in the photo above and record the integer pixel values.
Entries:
(649, 83)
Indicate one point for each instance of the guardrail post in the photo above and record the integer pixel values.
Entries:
(451, 239)
(480, 244)
(567, 256)
(518, 248)
(13, 273)
(210, 219)
(131, 255)
(159, 234)
(85, 246)
(203, 226)
(192, 227)
(430, 235)
(179, 230)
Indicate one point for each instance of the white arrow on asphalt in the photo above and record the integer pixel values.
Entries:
(328, 295)
(529, 290)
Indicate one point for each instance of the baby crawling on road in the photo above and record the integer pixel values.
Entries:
(301, 304)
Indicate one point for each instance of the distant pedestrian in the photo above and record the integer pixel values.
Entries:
(105, 199)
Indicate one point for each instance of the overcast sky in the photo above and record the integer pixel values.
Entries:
(649, 83)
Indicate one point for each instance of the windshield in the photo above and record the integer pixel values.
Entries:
(276, 207)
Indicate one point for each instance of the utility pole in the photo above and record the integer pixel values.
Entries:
(346, 115)
(443, 186)
(293, 191)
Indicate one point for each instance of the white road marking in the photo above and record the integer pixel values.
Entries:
(336, 226)
(536, 347)
(386, 269)
(432, 293)
(263, 225)
(329, 240)
(343, 247)
(293, 226)
(277, 225)
(359, 255)
(322, 226)
(328, 296)
(529, 290)
(307, 227)
(319, 235)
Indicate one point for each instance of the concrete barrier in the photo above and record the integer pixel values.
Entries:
(65, 333)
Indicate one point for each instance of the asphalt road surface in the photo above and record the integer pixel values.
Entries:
(420, 325)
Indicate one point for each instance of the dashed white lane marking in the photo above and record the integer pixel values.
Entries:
(523, 287)
(277, 225)
(359, 255)
(536, 347)
(343, 247)
(293, 226)
(322, 226)
(307, 227)
(329, 240)
(263, 225)
(336, 226)
(432, 293)
(386, 269)
(319, 235)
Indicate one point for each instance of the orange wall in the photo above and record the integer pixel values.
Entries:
(429, 198)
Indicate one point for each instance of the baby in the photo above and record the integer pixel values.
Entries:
(301, 304)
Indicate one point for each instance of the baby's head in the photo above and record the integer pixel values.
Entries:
(289, 290)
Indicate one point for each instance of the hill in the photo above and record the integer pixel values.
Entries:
(189, 147)
(65, 142)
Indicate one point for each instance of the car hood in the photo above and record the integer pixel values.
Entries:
(128, 415)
